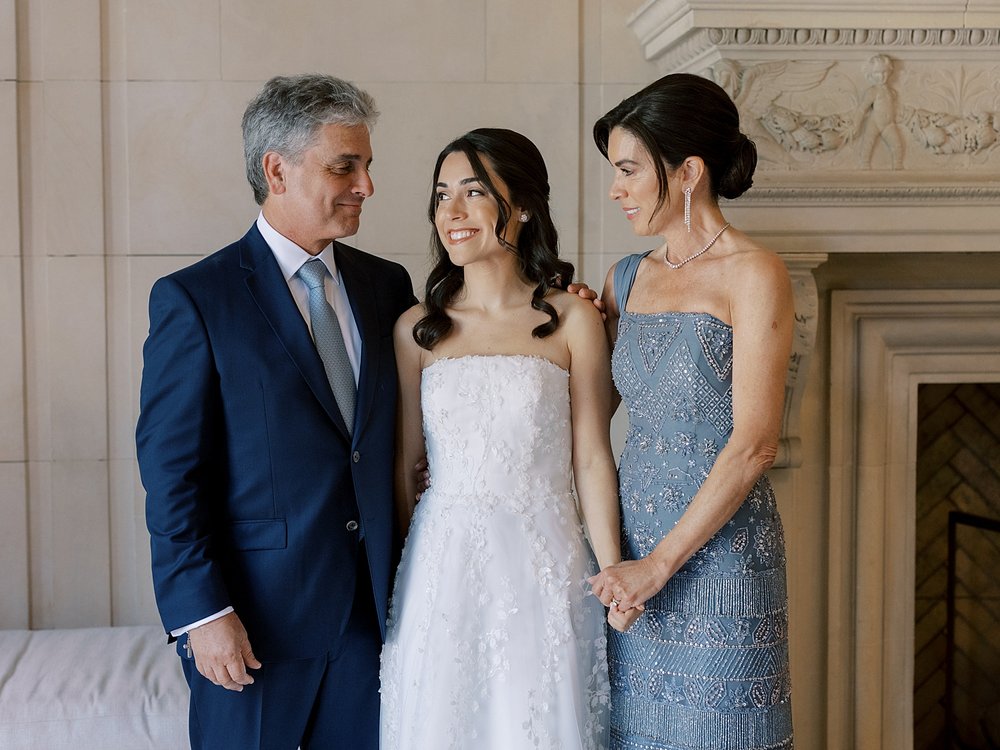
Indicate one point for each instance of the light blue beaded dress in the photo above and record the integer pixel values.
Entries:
(706, 666)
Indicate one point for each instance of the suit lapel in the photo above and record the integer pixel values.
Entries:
(360, 292)
(270, 291)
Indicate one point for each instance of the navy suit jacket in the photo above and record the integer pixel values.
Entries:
(251, 477)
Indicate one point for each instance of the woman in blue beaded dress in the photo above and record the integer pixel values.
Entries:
(702, 330)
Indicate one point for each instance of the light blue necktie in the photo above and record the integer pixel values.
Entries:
(329, 340)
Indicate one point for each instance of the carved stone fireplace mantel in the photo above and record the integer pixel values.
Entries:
(849, 102)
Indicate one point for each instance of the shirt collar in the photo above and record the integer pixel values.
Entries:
(290, 256)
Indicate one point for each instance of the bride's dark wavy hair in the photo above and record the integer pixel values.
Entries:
(519, 164)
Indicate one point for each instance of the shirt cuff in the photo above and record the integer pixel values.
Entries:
(181, 631)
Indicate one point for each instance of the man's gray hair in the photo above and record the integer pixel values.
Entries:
(286, 114)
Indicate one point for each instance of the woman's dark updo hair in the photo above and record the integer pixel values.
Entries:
(683, 115)
(518, 163)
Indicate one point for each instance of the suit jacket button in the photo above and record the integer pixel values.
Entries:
(352, 525)
(356, 456)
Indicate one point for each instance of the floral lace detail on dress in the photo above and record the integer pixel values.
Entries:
(492, 641)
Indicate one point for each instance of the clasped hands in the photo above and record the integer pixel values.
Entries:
(624, 588)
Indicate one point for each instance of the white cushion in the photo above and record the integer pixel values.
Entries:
(91, 689)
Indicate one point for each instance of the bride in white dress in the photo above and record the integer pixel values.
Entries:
(493, 640)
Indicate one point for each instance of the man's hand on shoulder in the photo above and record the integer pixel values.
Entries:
(581, 289)
(222, 652)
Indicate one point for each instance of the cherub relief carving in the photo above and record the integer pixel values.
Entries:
(877, 114)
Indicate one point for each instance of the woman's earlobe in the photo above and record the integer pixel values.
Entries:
(694, 169)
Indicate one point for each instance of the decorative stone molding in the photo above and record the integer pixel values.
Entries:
(800, 268)
(816, 115)
(869, 102)
(880, 194)
(701, 45)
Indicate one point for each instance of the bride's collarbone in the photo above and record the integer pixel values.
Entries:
(478, 333)
(503, 318)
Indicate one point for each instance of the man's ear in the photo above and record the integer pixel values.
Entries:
(274, 172)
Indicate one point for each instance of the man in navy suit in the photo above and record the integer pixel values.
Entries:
(269, 504)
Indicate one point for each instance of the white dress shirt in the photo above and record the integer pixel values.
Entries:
(290, 258)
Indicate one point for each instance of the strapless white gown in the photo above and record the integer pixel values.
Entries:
(493, 640)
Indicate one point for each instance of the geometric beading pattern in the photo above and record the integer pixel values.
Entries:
(690, 397)
(654, 341)
(706, 664)
(717, 342)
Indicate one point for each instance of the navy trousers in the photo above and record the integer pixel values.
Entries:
(326, 703)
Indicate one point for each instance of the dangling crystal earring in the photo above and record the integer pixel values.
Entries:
(523, 217)
(687, 208)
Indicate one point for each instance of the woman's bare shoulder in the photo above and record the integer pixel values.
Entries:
(410, 317)
(754, 264)
(402, 332)
(572, 307)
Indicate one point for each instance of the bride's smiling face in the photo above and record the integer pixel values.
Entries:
(466, 214)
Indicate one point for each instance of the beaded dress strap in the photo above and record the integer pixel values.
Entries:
(625, 271)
